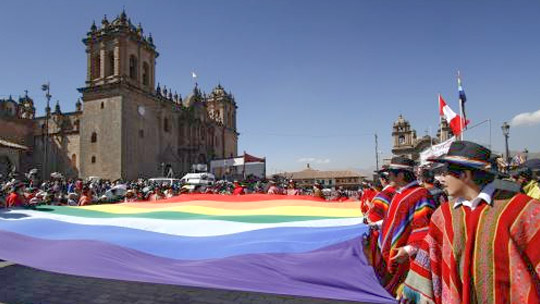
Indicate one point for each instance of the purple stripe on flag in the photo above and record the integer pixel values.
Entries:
(339, 271)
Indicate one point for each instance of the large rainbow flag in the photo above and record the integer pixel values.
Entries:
(262, 243)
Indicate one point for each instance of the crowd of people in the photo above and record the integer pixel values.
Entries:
(478, 241)
(29, 191)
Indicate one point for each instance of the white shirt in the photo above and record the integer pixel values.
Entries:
(486, 194)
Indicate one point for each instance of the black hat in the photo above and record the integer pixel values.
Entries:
(469, 155)
(523, 171)
(382, 171)
(399, 163)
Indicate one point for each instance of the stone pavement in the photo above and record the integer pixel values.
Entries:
(20, 284)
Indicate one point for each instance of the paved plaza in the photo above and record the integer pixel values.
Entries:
(20, 284)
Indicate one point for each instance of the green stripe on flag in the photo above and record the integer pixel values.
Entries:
(174, 215)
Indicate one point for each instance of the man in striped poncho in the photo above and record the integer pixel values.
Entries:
(482, 247)
(374, 218)
(404, 225)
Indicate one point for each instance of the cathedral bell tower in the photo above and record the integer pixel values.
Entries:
(402, 133)
(404, 137)
(120, 52)
(222, 108)
(117, 97)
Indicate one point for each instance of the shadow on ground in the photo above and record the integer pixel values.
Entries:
(20, 284)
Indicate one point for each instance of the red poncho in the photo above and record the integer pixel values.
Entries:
(490, 254)
(406, 223)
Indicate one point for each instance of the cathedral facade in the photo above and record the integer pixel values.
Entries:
(125, 126)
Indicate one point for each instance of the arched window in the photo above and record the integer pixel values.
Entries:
(145, 75)
(141, 133)
(166, 126)
(110, 63)
(133, 67)
(77, 124)
(93, 159)
(96, 66)
(102, 105)
(94, 137)
(401, 139)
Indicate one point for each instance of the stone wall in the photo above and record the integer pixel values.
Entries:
(103, 158)
(17, 130)
(141, 136)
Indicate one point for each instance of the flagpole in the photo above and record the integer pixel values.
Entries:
(440, 116)
(462, 121)
(46, 88)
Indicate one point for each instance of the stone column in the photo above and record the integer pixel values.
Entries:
(88, 65)
(116, 51)
(102, 61)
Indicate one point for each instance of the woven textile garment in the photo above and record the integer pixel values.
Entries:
(406, 223)
(490, 254)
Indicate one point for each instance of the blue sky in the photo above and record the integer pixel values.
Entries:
(314, 80)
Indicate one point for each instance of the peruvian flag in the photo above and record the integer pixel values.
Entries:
(456, 122)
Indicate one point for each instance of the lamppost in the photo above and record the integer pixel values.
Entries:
(46, 88)
(506, 132)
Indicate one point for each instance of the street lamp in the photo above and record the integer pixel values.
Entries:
(46, 88)
(506, 132)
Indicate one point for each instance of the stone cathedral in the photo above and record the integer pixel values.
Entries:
(125, 126)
